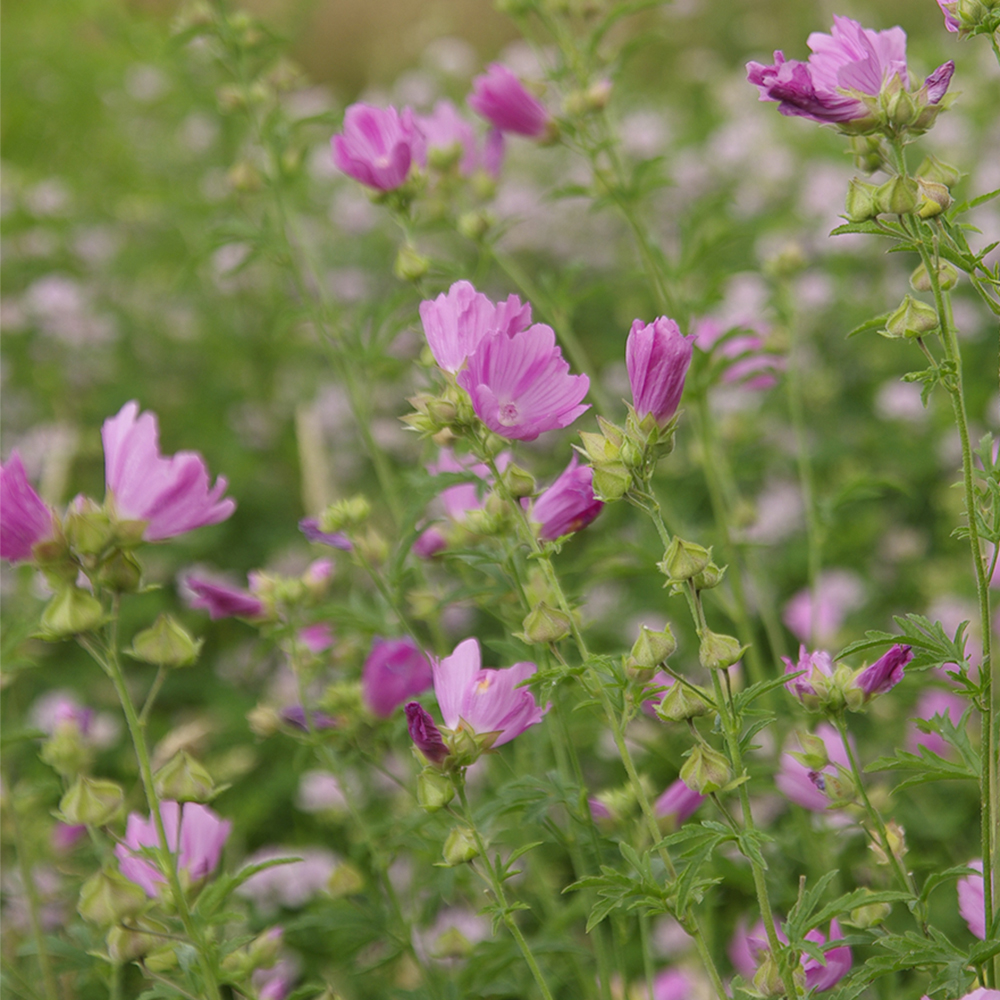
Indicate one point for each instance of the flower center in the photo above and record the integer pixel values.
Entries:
(508, 414)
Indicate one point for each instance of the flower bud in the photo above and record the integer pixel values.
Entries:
(351, 513)
(120, 572)
(838, 786)
(244, 177)
(901, 108)
(410, 265)
(599, 449)
(652, 648)
(860, 201)
(898, 196)
(91, 802)
(373, 547)
(767, 979)
(183, 779)
(706, 770)
(814, 754)
(870, 915)
(913, 318)
(711, 576)
(87, 527)
(460, 847)
(107, 898)
(166, 643)
(127, 945)
(346, 880)
(611, 482)
(67, 751)
(897, 843)
(717, 651)
(71, 612)
(475, 225)
(681, 702)
(947, 275)
(519, 482)
(434, 790)
(867, 153)
(684, 560)
(545, 624)
(934, 198)
(933, 169)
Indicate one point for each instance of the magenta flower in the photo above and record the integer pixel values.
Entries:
(931, 703)
(820, 977)
(817, 664)
(948, 9)
(446, 130)
(455, 323)
(568, 505)
(199, 831)
(295, 715)
(846, 65)
(24, 517)
(657, 356)
(520, 386)
(484, 701)
(886, 672)
(677, 803)
(672, 984)
(274, 983)
(425, 734)
(500, 97)
(797, 783)
(747, 360)
(972, 901)
(395, 670)
(172, 495)
(746, 947)
(221, 601)
(378, 146)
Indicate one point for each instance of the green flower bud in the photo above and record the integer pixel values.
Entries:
(183, 779)
(66, 751)
(87, 526)
(475, 225)
(898, 196)
(410, 265)
(611, 482)
(651, 648)
(91, 802)
(166, 643)
(860, 201)
(706, 770)
(460, 847)
(934, 198)
(867, 152)
(518, 481)
(127, 945)
(947, 275)
(681, 702)
(901, 108)
(244, 177)
(684, 560)
(897, 844)
(346, 880)
(121, 572)
(913, 318)
(71, 612)
(545, 624)
(717, 651)
(443, 158)
(767, 979)
(351, 513)
(933, 169)
(434, 790)
(814, 753)
(711, 576)
(598, 449)
(107, 898)
(838, 786)
(869, 915)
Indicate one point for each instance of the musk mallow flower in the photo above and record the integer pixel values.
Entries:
(825, 975)
(457, 320)
(948, 9)
(568, 505)
(885, 673)
(814, 669)
(395, 670)
(520, 385)
(221, 600)
(801, 785)
(657, 356)
(500, 97)
(448, 135)
(972, 901)
(193, 830)
(172, 495)
(378, 146)
(677, 803)
(847, 70)
(931, 703)
(25, 519)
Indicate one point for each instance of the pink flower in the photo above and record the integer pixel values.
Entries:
(886, 672)
(837, 593)
(446, 130)
(172, 495)
(972, 901)
(819, 663)
(662, 680)
(657, 356)
(948, 9)
(677, 803)
(850, 62)
(24, 518)
(484, 701)
(672, 984)
(309, 526)
(290, 885)
(425, 734)
(276, 982)
(793, 778)
(455, 323)
(819, 976)
(378, 146)
(568, 505)
(931, 703)
(395, 670)
(746, 947)
(222, 601)
(745, 356)
(500, 97)
(520, 386)
(200, 832)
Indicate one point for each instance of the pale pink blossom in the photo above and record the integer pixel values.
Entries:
(172, 495)
(678, 802)
(822, 976)
(838, 592)
(972, 900)
(930, 703)
(221, 600)
(289, 885)
(25, 519)
(799, 784)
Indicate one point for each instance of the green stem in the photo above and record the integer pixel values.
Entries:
(497, 888)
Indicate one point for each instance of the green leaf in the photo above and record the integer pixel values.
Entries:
(875, 323)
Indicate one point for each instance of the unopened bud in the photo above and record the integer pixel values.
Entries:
(869, 915)
(120, 572)
(346, 880)
(947, 275)
(71, 612)
(343, 514)
(651, 648)
(860, 201)
(867, 153)
(898, 196)
(934, 198)
(814, 754)
(933, 169)
(684, 560)
(475, 225)
(706, 770)
(546, 624)
(87, 526)
(767, 979)
(410, 265)
(263, 720)
(897, 843)
(183, 779)
(107, 898)
(91, 802)
(718, 651)
(519, 482)
(901, 108)
(244, 177)
(127, 945)
(460, 846)
(913, 318)
(434, 790)
(711, 576)
(681, 702)
(611, 482)
(166, 643)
